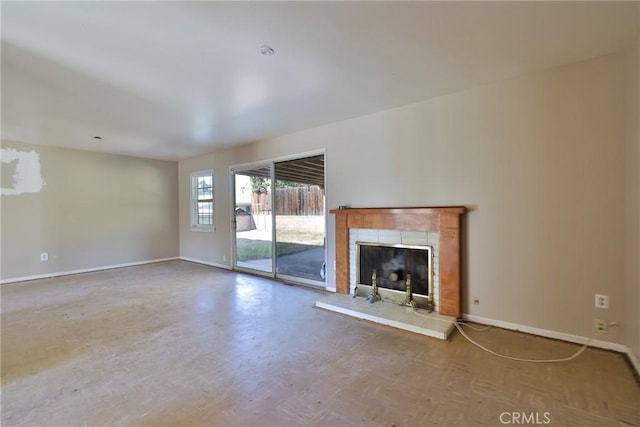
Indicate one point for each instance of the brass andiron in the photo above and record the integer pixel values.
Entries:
(374, 295)
(409, 296)
(430, 306)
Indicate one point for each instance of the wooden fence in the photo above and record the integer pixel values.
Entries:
(291, 201)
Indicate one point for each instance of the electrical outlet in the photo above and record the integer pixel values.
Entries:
(600, 325)
(224, 258)
(602, 301)
(44, 256)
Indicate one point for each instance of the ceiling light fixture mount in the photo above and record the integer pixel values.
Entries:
(267, 50)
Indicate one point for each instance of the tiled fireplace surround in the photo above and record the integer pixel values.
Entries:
(392, 237)
(435, 226)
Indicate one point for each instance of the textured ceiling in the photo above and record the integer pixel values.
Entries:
(171, 80)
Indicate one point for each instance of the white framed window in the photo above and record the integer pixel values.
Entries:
(202, 201)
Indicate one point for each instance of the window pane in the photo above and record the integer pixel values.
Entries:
(205, 219)
(205, 181)
(205, 213)
(205, 188)
(205, 193)
(202, 199)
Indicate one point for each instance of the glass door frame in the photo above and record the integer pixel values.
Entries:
(238, 169)
(271, 164)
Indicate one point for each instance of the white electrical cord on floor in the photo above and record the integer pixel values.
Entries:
(485, 328)
(518, 359)
(459, 325)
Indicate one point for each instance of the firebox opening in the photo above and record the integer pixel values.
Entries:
(393, 264)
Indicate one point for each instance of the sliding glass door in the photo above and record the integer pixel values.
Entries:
(253, 219)
(280, 219)
(299, 221)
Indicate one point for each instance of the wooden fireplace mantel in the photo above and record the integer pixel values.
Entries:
(444, 220)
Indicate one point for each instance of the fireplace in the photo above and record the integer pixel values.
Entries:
(438, 227)
(402, 273)
(434, 232)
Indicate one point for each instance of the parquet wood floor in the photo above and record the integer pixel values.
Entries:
(178, 343)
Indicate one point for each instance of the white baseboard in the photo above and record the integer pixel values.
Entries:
(212, 264)
(634, 360)
(84, 270)
(620, 348)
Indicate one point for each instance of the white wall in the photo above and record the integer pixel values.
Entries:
(90, 210)
(632, 198)
(540, 162)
